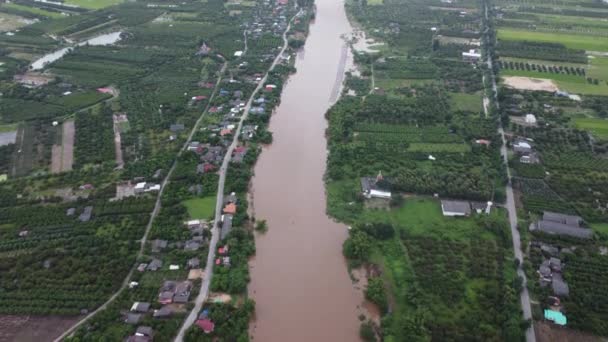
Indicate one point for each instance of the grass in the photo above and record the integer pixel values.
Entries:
(600, 227)
(33, 10)
(597, 127)
(573, 41)
(387, 83)
(438, 147)
(93, 4)
(422, 216)
(200, 208)
(466, 102)
(375, 2)
(8, 128)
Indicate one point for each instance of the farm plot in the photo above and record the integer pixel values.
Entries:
(9, 22)
(63, 154)
(93, 4)
(572, 41)
(597, 127)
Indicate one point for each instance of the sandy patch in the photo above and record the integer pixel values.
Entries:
(196, 273)
(528, 83)
(220, 298)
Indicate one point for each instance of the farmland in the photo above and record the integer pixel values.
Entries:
(422, 132)
(566, 169)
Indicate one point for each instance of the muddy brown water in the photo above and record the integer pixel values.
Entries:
(300, 280)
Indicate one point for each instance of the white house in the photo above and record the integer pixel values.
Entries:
(455, 208)
(530, 119)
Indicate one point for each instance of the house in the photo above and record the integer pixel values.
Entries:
(561, 224)
(258, 110)
(231, 198)
(193, 146)
(372, 188)
(163, 312)
(70, 212)
(173, 267)
(206, 325)
(522, 146)
(155, 264)
(194, 224)
(142, 334)
(530, 158)
(455, 208)
(559, 285)
(132, 318)
(226, 225)
(555, 264)
(556, 317)
(167, 291)
(203, 50)
(182, 292)
(225, 131)
(85, 216)
(194, 263)
(158, 245)
(175, 128)
(238, 53)
(483, 142)
(142, 267)
(140, 307)
(230, 208)
(544, 271)
(192, 245)
(530, 119)
(471, 56)
(238, 154)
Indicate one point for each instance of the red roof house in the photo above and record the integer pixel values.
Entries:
(206, 325)
(225, 131)
(230, 208)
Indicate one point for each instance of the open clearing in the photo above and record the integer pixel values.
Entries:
(529, 83)
(93, 4)
(547, 332)
(570, 83)
(33, 10)
(9, 22)
(200, 208)
(63, 155)
(572, 41)
(33, 328)
(597, 127)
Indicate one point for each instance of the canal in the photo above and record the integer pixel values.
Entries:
(299, 277)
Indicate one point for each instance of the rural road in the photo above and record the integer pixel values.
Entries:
(204, 291)
(153, 215)
(510, 205)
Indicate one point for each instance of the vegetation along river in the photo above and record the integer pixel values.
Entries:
(299, 277)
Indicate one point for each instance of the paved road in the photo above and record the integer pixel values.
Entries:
(204, 291)
(155, 211)
(510, 205)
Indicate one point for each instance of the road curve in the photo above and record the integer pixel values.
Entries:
(153, 215)
(510, 206)
(204, 291)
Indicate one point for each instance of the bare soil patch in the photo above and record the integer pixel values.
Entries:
(62, 156)
(529, 83)
(33, 328)
(548, 332)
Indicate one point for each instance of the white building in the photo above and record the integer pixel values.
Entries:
(471, 56)
(530, 119)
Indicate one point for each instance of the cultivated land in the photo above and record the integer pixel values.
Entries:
(416, 128)
(564, 151)
(82, 213)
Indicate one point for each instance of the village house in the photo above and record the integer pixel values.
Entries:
(194, 263)
(176, 128)
(154, 265)
(158, 245)
(182, 292)
(194, 224)
(85, 216)
(471, 56)
(226, 226)
(529, 158)
(163, 312)
(143, 187)
(522, 146)
(561, 224)
(141, 307)
(142, 334)
(192, 245)
(455, 208)
(239, 153)
(132, 318)
(167, 291)
(372, 187)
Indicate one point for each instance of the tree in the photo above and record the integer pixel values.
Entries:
(375, 292)
(357, 246)
(366, 331)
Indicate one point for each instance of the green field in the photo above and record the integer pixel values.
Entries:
(573, 41)
(597, 127)
(200, 208)
(466, 102)
(93, 4)
(33, 10)
(439, 147)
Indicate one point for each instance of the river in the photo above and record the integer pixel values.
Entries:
(299, 277)
(103, 39)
